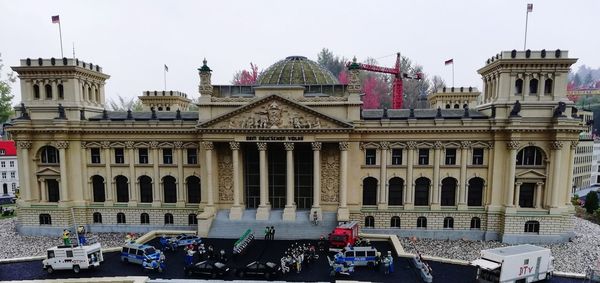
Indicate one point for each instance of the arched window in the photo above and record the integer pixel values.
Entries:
(475, 223)
(548, 86)
(448, 106)
(61, 91)
(369, 222)
(96, 95)
(449, 191)
(519, 86)
(465, 106)
(36, 92)
(121, 218)
(98, 189)
(48, 90)
(369, 191)
(144, 218)
(532, 227)
(422, 191)
(396, 186)
(45, 219)
(192, 219)
(169, 189)
(49, 155)
(168, 218)
(193, 189)
(395, 222)
(530, 156)
(145, 189)
(475, 194)
(448, 223)
(456, 106)
(533, 86)
(422, 222)
(122, 188)
(89, 91)
(97, 218)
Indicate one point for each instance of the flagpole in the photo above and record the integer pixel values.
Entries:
(452, 73)
(60, 35)
(526, 20)
(165, 77)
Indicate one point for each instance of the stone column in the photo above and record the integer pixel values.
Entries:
(108, 178)
(64, 184)
(43, 190)
(556, 147)
(84, 178)
(156, 181)
(464, 154)
(54, 91)
(517, 193)
(26, 189)
(264, 209)
(512, 146)
(316, 207)
(437, 149)
(408, 200)
(489, 199)
(343, 213)
(208, 148)
(236, 212)
(538, 194)
(289, 213)
(133, 190)
(180, 178)
(383, 188)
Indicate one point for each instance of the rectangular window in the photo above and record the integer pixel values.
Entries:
(167, 156)
(12, 174)
(3, 175)
(3, 164)
(396, 156)
(451, 156)
(95, 152)
(370, 156)
(192, 156)
(69, 253)
(478, 156)
(12, 163)
(119, 156)
(423, 156)
(143, 155)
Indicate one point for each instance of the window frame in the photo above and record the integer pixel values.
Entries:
(477, 159)
(532, 225)
(475, 223)
(395, 222)
(396, 156)
(143, 156)
(167, 156)
(423, 156)
(370, 156)
(421, 222)
(95, 155)
(192, 159)
(450, 156)
(119, 155)
(449, 223)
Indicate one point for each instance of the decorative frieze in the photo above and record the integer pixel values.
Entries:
(343, 146)
(556, 145)
(225, 166)
(261, 146)
(512, 145)
(24, 144)
(61, 144)
(330, 175)
(208, 145)
(316, 146)
(234, 145)
(288, 146)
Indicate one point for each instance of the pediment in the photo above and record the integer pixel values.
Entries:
(47, 171)
(274, 113)
(530, 174)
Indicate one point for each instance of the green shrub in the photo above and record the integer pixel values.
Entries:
(575, 200)
(591, 202)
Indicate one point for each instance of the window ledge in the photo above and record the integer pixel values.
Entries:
(396, 166)
(370, 166)
(477, 166)
(144, 164)
(119, 165)
(422, 166)
(168, 165)
(191, 165)
(96, 164)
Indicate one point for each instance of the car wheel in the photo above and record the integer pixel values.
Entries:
(76, 268)
(267, 276)
(50, 270)
(241, 274)
(213, 275)
(189, 272)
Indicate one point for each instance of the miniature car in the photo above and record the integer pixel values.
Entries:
(213, 269)
(151, 264)
(255, 268)
(137, 253)
(73, 257)
(184, 240)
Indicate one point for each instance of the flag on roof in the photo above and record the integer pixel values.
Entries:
(55, 19)
(529, 7)
(448, 62)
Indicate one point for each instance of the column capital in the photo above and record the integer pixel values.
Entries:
(262, 146)
(437, 145)
(61, 144)
(289, 146)
(343, 146)
(24, 144)
(178, 144)
(129, 144)
(154, 144)
(385, 145)
(208, 145)
(574, 144)
(556, 145)
(234, 145)
(411, 144)
(518, 184)
(465, 144)
(316, 146)
(540, 183)
(512, 145)
(105, 144)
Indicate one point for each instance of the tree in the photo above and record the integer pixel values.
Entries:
(591, 202)
(6, 109)
(245, 77)
(331, 62)
(436, 83)
(124, 104)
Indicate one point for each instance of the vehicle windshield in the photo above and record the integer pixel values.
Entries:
(339, 238)
(270, 264)
(150, 251)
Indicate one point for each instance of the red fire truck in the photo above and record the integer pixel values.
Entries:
(343, 235)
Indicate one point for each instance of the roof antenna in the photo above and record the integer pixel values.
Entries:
(73, 50)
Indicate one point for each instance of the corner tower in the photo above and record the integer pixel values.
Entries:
(76, 86)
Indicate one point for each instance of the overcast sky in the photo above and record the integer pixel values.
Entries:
(132, 40)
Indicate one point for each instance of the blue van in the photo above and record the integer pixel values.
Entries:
(137, 253)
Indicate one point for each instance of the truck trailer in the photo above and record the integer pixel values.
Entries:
(518, 264)
(343, 235)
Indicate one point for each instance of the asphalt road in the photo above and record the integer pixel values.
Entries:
(259, 250)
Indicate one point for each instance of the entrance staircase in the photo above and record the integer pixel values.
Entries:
(300, 229)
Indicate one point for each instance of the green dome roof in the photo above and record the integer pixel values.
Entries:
(296, 70)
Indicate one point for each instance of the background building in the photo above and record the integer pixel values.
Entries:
(9, 174)
(582, 169)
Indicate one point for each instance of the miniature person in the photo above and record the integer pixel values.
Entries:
(272, 232)
(222, 256)
(315, 218)
(391, 260)
(164, 243)
(386, 265)
(65, 237)
(81, 235)
(267, 233)
(189, 256)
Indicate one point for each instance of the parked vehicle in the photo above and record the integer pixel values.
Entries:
(343, 235)
(73, 257)
(522, 263)
(137, 253)
(184, 240)
(209, 268)
(360, 256)
(152, 264)
(267, 270)
(340, 268)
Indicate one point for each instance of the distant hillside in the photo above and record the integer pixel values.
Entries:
(584, 78)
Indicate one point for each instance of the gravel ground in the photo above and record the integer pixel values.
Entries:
(13, 244)
(575, 256)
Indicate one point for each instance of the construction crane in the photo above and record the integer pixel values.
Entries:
(397, 92)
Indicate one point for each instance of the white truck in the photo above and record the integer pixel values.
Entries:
(518, 264)
(73, 257)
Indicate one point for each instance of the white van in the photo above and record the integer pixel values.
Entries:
(514, 264)
(73, 257)
(361, 256)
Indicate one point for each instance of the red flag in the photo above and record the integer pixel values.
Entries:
(529, 7)
(55, 19)
(448, 62)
